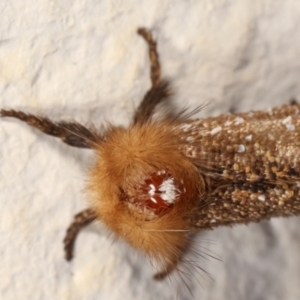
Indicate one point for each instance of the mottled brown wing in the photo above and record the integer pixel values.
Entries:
(250, 162)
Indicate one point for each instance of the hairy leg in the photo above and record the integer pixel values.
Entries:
(153, 97)
(293, 101)
(153, 55)
(81, 220)
(165, 273)
(71, 133)
(159, 90)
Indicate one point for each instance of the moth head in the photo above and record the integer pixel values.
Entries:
(143, 188)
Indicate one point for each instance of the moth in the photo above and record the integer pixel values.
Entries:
(158, 181)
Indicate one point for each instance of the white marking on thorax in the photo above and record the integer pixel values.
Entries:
(152, 190)
(168, 190)
(153, 200)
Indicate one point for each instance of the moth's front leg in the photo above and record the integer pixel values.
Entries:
(71, 133)
(159, 90)
(81, 220)
(161, 275)
(153, 55)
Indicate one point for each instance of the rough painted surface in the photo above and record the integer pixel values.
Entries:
(83, 60)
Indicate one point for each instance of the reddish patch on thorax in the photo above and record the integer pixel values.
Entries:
(158, 193)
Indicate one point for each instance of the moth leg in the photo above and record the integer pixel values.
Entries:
(293, 101)
(171, 264)
(153, 55)
(81, 220)
(159, 90)
(166, 272)
(71, 133)
(153, 97)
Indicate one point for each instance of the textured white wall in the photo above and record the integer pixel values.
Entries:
(82, 59)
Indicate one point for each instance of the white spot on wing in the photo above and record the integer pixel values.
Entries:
(271, 137)
(287, 120)
(215, 130)
(238, 120)
(288, 123)
(190, 139)
(241, 148)
(185, 127)
(290, 127)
